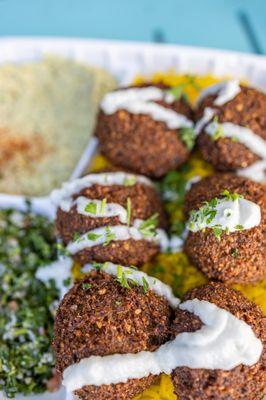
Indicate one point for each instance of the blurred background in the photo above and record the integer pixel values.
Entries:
(225, 24)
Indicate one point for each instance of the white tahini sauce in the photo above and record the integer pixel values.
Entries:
(256, 171)
(100, 210)
(142, 101)
(99, 236)
(63, 197)
(59, 271)
(230, 215)
(243, 135)
(223, 342)
(207, 116)
(225, 91)
(160, 288)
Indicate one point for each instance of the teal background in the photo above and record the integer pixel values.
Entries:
(225, 24)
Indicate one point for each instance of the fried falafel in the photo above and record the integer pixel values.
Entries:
(242, 382)
(99, 316)
(144, 143)
(236, 257)
(247, 110)
(138, 204)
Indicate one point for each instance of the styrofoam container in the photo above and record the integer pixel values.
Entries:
(124, 60)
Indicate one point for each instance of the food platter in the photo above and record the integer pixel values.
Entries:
(125, 61)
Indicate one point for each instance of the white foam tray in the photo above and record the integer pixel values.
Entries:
(124, 60)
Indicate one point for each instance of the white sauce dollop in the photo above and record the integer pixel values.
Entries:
(243, 135)
(59, 271)
(223, 342)
(118, 232)
(108, 210)
(63, 197)
(208, 114)
(230, 216)
(256, 171)
(142, 101)
(225, 91)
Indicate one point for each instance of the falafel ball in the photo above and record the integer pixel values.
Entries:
(238, 257)
(139, 143)
(144, 203)
(240, 383)
(246, 109)
(100, 317)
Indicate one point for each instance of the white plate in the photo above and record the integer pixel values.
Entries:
(124, 60)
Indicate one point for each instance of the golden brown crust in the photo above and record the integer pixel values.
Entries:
(246, 109)
(240, 256)
(104, 319)
(240, 383)
(139, 143)
(144, 203)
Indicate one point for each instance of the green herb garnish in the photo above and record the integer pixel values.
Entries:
(76, 236)
(86, 285)
(130, 181)
(93, 236)
(103, 205)
(148, 227)
(128, 211)
(110, 236)
(121, 277)
(145, 285)
(91, 208)
(217, 230)
(219, 133)
(231, 196)
(239, 227)
(188, 137)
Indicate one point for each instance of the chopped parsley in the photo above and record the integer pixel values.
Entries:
(27, 306)
(145, 285)
(110, 236)
(103, 205)
(124, 279)
(148, 227)
(188, 137)
(86, 285)
(219, 133)
(91, 208)
(121, 277)
(130, 181)
(231, 196)
(76, 236)
(93, 236)
(204, 216)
